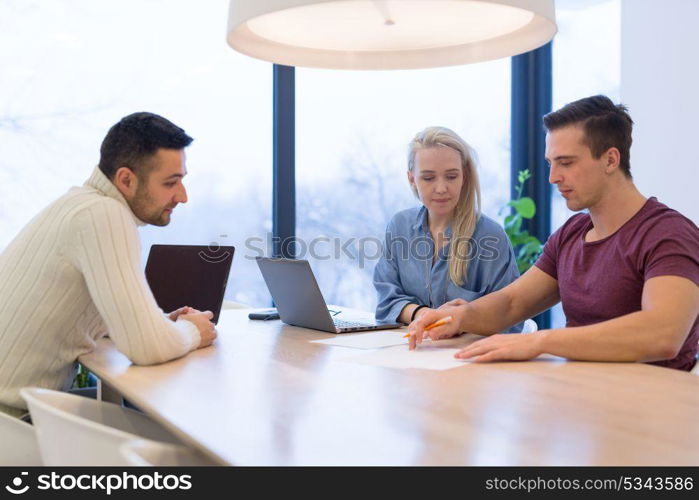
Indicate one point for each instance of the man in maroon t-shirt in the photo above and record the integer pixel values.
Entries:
(627, 272)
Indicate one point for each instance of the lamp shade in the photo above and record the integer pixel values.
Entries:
(387, 34)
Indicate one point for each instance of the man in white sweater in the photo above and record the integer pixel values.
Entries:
(73, 274)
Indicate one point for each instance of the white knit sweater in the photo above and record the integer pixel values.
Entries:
(71, 276)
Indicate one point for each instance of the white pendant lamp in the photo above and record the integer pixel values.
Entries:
(387, 34)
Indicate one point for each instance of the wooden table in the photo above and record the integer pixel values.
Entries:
(265, 395)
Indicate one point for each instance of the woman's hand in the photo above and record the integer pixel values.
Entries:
(421, 312)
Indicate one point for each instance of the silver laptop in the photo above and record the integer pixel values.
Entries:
(300, 303)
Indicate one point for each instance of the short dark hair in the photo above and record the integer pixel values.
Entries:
(605, 125)
(137, 137)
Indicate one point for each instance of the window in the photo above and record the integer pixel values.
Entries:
(586, 61)
(69, 73)
(352, 132)
(72, 68)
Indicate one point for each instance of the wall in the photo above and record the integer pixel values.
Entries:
(660, 84)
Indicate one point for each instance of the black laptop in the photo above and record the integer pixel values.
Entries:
(189, 275)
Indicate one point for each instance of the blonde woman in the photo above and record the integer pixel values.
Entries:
(445, 249)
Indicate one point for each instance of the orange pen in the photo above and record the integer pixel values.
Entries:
(440, 322)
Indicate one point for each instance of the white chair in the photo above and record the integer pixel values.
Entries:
(72, 430)
(19, 445)
(530, 326)
(145, 453)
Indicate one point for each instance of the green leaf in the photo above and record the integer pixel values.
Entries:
(524, 207)
(523, 266)
(81, 378)
(513, 224)
(523, 176)
(518, 239)
(513, 221)
(530, 250)
(533, 240)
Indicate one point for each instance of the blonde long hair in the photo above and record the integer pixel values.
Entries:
(468, 208)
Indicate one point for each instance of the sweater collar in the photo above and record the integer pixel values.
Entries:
(101, 183)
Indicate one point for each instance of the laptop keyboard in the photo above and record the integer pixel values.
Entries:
(341, 323)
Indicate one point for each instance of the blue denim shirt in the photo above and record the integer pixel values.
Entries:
(405, 273)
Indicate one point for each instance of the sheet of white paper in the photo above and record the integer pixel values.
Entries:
(429, 356)
(368, 340)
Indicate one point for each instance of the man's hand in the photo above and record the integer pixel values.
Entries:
(452, 303)
(179, 312)
(453, 308)
(504, 347)
(207, 331)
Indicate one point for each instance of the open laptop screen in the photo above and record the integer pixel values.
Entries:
(189, 275)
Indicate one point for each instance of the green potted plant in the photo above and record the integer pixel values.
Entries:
(527, 247)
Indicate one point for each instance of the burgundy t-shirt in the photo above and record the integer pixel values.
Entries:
(604, 279)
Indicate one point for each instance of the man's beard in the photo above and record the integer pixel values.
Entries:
(144, 208)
